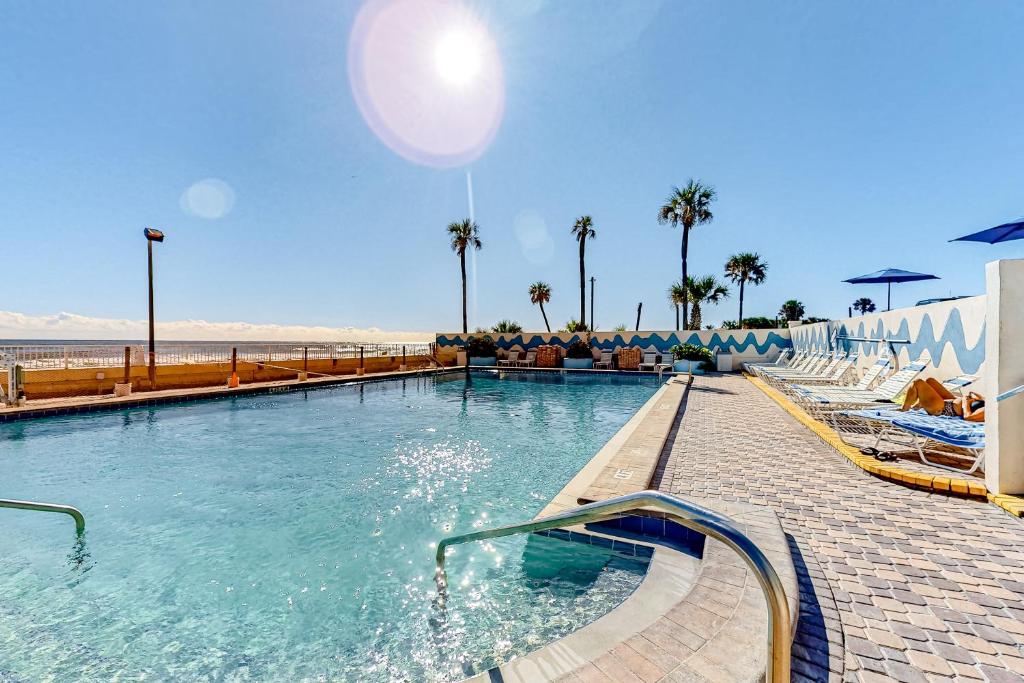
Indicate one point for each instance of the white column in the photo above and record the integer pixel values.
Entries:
(1004, 370)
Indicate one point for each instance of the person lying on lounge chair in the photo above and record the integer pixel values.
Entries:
(935, 399)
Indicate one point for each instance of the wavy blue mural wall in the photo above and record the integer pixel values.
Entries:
(745, 342)
(958, 348)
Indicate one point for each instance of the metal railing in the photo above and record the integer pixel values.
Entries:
(688, 514)
(74, 512)
(65, 357)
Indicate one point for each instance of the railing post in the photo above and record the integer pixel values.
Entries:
(65, 358)
(127, 364)
(362, 369)
(233, 380)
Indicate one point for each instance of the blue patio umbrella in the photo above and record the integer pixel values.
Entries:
(1000, 233)
(889, 276)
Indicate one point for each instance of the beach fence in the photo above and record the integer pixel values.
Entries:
(58, 370)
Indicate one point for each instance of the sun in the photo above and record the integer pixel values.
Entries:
(458, 56)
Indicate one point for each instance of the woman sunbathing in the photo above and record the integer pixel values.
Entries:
(935, 399)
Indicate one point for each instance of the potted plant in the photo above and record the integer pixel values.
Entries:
(482, 351)
(692, 358)
(579, 356)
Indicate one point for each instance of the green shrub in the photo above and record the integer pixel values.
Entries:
(692, 352)
(579, 349)
(481, 347)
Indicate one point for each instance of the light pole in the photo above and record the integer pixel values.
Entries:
(593, 325)
(152, 235)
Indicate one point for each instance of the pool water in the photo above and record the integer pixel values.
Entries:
(290, 536)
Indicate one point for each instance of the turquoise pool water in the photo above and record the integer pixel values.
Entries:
(290, 536)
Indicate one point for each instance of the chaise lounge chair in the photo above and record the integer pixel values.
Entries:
(650, 361)
(606, 361)
(785, 359)
(829, 400)
(513, 359)
(529, 361)
(917, 429)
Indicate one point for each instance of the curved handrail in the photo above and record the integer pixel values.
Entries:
(75, 513)
(690, 515)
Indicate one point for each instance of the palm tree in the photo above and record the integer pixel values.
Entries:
(677, 297)
(464, 235)
(540, 294)
(687, 206)
(791, 310)
(703, 290)
(864, 305)
(743, 268)
(583, 229)
(506, 327)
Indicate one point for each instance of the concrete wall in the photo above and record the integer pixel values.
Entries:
(952, 332)
(744, 344)
(85, 382)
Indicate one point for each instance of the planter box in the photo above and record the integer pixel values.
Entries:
(688, 366)
(578, 363)
(483, 362)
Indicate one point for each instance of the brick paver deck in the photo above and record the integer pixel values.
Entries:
(897, 584)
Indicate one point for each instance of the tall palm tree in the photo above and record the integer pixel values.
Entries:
(703, 290)
(791, 310)
(540, 294)
(464, 235)
(583, 229)
(743, 268)
(864, 305)
(677, 297)
(687, 206)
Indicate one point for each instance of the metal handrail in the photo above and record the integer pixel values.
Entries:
(690, 515)
(1010, 393)
(75, 513)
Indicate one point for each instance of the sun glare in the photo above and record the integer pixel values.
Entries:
(457, 56)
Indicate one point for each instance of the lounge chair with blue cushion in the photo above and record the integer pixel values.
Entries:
(880, 424)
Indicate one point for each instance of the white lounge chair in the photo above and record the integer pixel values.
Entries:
(513, 359)
(606, 361)
(529, 361)
(785, 359)
(817, 399)
(650, 361)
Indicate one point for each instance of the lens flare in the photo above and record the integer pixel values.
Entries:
(427, 78)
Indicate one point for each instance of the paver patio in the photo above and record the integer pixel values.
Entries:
(897, 584)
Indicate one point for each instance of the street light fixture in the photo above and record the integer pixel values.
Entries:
(152, 235)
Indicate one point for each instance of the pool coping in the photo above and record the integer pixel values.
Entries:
(712, 627)
(78, 405)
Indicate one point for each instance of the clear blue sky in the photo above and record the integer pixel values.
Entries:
(841, 138)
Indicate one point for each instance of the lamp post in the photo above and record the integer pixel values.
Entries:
(593, 325)
(152, 235)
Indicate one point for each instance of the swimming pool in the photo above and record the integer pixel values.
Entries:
(289, 536)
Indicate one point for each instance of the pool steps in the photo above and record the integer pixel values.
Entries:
(688, 514)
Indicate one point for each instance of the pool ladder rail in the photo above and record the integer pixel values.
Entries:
(74, 512)
(690, 515)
